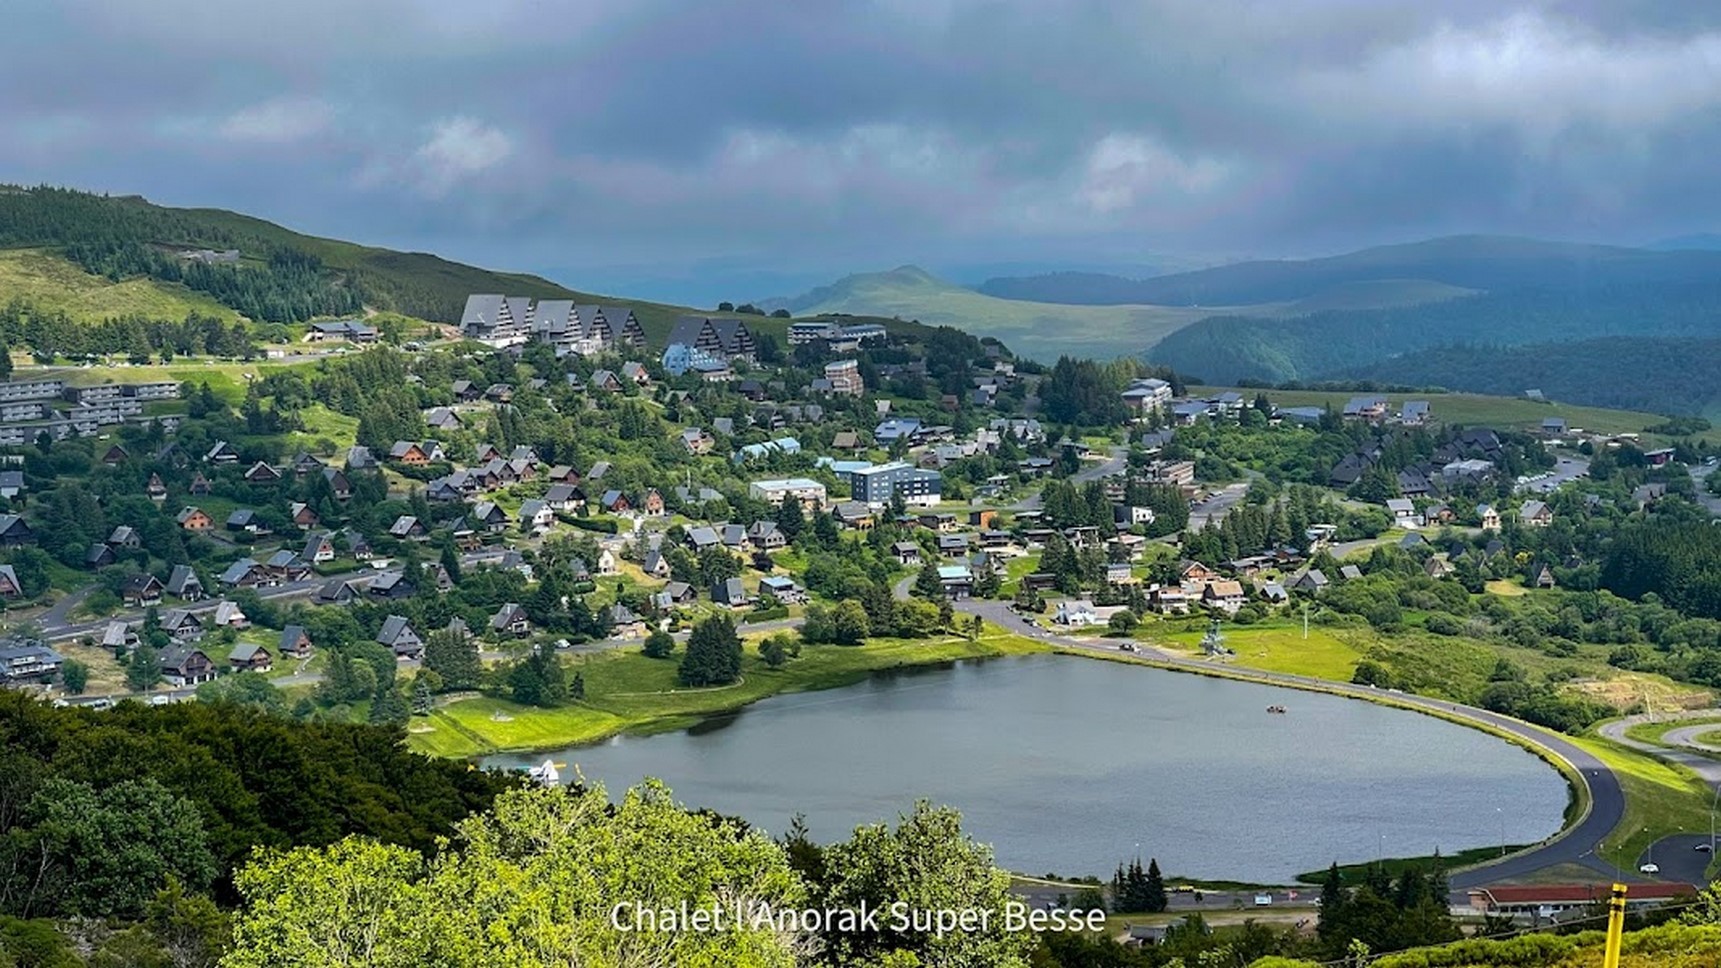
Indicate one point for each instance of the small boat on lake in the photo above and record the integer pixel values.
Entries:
(1276, 709)
(545, 774)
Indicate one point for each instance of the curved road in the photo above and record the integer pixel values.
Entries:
(1677, 855)
(1575, 845)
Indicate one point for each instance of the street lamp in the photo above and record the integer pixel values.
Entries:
(1712, 805)
(1501, 813)
(1649, 852)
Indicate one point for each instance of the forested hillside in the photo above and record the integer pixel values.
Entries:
(1657, 375)
(1226, 349)
(282, 276)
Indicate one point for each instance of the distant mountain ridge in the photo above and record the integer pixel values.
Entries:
(1477, 262)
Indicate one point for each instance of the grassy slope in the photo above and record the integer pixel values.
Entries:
(53, 284)
(1472, 409)
(1041, 330)
(627, 691)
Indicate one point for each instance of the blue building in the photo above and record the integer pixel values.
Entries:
(877, 485)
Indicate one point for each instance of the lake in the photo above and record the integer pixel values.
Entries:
(1065, 765)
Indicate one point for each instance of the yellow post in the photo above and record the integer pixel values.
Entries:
(1615, 926)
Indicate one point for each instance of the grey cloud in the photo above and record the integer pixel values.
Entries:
(570, 136)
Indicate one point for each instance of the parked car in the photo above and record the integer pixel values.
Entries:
(1649, 869)
(1704, 848)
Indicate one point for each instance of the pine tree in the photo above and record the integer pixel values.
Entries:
(1334, 897)
(1153, 888)
(421, 698)
(454, 657)
(927, 584)
(713, 655)
(659, 645)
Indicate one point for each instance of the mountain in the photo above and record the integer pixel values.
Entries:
(1040, 330)
(1702, 241)
(281, 276)
(1668, 375)
(1476, 262)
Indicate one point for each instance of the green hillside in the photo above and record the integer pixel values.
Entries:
(52, 284)
(284, 276)
(1040, 330)
(1469, 409)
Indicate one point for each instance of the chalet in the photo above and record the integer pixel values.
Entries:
(261, 473)
(598, 471)
(222, 453)
(339, 486)
(1646, 496)
(295, 642)
(337, 592)
(766, 536)
(408, 527)
(193, 519)
(358, 546)
(1273, 592)
(854, 514)
(565, 497)
(1075, 613)
(1403, 511)
(1119, 573)
(248, 521)
(615, 502)
(1226, 596)
(182, 666)
(1553, 426)
(409, 453)
(9, 586)
(303, 515)
(635, 373)
(120, 638)
(906, 552)
(28, 661)
(319, 548)
(730, 592)
(535, 514)
(397, 635)
(199, 485)
(391, 585)
(156, 490)
(1312, 581)
(245, 573)
(14, 531)
(1370, 408)
(360, 458)
(1541, 576)
(1437, 568)
(283, 566)
(1194, 572)
(953, 545)
(141, 591)
(250, 657)
(703, 537)
(655, 564)
(524, 453)
(782, 588)
(1415, 413)
(465, 391)
(489, 517)
(99, 556)
(958, 581)
(652, 504)
(115, 455)
(606, 562)
(511, 619)
(1535, 514)
(442, 418)
(607, 381)
(677, 593)
(499, 392)
(562, 474)
(1489, 518)
(304, 465)
(124, 536)
(624, 624)
(184, 584)
(1412, 541)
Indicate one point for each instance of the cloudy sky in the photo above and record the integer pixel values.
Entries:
(739, 147)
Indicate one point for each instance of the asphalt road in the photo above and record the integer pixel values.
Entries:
(1567, 470)
(1575, 846)
(1113, 464)
(1213, 508)
(1676, 855)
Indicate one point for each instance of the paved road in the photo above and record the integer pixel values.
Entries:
(1676, 855)
(1568, 469)
(1700, 477)
(1577, 845)
(1213, 508)
(1114, 463)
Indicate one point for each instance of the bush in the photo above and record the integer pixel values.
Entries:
(1441, 623)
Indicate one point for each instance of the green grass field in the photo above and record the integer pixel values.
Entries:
(1471, 409)
(52, 283)
(1654, 732)
(628, 692)
(1282, 648)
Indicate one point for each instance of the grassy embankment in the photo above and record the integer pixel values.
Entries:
(1472, 409)
(627, 692)
(1662, 797)
(53, 284)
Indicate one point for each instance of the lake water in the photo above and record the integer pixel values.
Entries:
(1066, 764)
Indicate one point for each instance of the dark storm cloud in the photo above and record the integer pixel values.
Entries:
(576, 135)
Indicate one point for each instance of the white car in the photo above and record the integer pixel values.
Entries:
(1649, 869)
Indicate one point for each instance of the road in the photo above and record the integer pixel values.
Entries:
(1576, 845)
(1700, 477)
(1568, 469)
(1676, 855)
(1213, 508)
(1117, 458)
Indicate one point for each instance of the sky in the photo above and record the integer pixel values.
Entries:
(749, 148)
